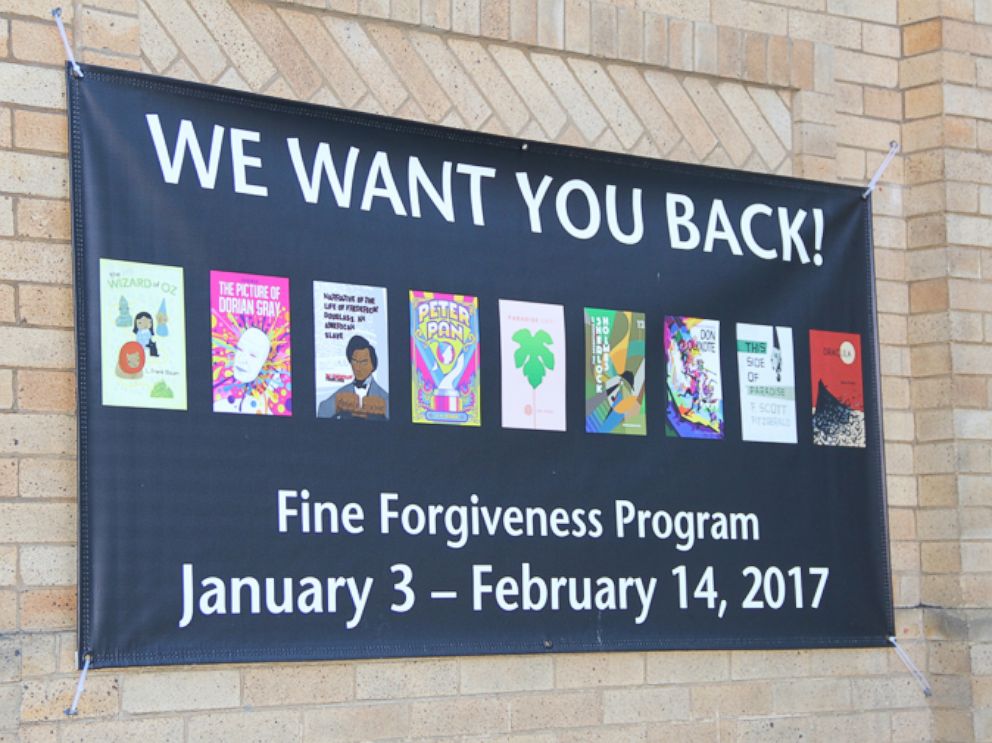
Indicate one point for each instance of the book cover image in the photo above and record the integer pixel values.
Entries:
(532, 364)
(444, 353)
(695, 394)
(351, 351)
(142, 335)
(249, 326)
(766, 369)
(838, 388)
(615, 373)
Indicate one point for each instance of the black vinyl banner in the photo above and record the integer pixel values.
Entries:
(351, 386)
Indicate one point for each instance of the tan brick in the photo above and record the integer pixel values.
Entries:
(48, 608)
(185, 27)
(495, 18)
(610, 101)
(24, 433)
(48, 565)
(812, 695)
(110, 32)
(539, 98)
(468, 100)
(407, 679)
(167, 691)
(970, 295)
(655, 39)
(769, 664)
(8, 477)
(928, 296)
(6, 216)
(37, 130)
(688, 667)
(779, 67)
(682, 111)
(240, 46)
(34, 175)
(6, 389)
(605, 30)
(551, 23)
(564, 709)
(460, 716)
(578, 26)
(581, 670)
(327, 55)
(925, 36)
(43, 218)
(934, 458)
(756, 57)
(34, 41)
(417, 74)
(973, 424)
(369, 63)
(46, 305)
(975, 489)
(32, 86)
(47, 478)
(523, 22)
(680, 44)
(250, 725)
(36, 347)
(940, 557)
(8, 611)
(46, 391)
(484, 675)
(38, 655)
(934, 425)
(974, 456)
(758, 120)
(646, 704)
(731, 700)
(971, 359)
(8, 565)
(290, 59)
(45, 699)
(160, 730)
(343, 722)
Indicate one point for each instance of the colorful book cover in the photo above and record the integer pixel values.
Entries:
(351, 351)
(444, 353)
(766, 368)
(532, 362)
(249, 325)
(615, 400)
(695, 394)
(838, 389)
(142, 335)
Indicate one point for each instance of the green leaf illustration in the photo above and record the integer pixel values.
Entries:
(533, 357)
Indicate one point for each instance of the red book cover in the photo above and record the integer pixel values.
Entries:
(838, 388)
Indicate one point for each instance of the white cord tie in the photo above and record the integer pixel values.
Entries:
(57, 15)
(73, 709)
(917, 673)
(893, 151)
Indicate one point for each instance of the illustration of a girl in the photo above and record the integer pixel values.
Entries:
(144, 331)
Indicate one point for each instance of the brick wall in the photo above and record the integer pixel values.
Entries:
(814, 88)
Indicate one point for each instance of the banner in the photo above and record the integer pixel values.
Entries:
(492, 396)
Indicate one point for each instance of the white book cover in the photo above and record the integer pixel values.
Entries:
(350, 351)
(766, 370)
(532, 362)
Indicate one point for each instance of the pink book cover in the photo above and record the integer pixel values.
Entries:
(249, 327)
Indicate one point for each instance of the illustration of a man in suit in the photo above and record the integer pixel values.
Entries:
(363, 398)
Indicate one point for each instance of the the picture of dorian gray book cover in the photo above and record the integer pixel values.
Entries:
(351, 351)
